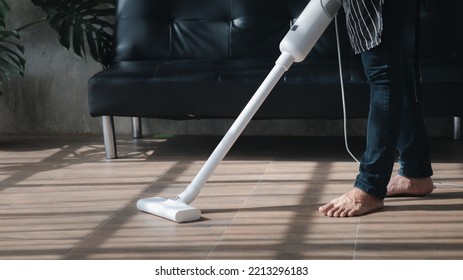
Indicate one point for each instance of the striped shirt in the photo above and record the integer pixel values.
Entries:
(364, 23)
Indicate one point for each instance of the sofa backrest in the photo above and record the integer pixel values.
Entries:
(210, 29)
(442, 30)
(222, 29)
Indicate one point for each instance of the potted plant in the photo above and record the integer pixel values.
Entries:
(83, 26)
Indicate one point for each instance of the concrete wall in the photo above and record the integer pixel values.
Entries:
(52, 97)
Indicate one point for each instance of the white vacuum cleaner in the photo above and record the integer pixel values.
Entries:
(294, 47)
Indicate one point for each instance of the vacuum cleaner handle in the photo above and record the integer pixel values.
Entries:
(294, 47)
(283, 63)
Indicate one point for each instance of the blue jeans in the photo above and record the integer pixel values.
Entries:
(395, 120)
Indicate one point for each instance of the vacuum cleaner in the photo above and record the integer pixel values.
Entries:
(294, 47)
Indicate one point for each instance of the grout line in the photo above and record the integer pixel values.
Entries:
(219, 240)
(354, 254)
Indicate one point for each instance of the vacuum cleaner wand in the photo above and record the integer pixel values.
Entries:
(294, 47)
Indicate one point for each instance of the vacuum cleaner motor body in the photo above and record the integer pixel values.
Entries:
(309, 27)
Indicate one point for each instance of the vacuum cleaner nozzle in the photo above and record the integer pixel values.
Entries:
(174, 210)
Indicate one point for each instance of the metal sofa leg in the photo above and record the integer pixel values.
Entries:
(456, 128)
(136, 128)
(109, 137)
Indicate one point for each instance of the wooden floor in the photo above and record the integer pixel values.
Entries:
(60, 199)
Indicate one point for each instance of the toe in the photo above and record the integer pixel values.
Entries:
(338, 213)
(326, 208)
(344, 213)
(331, 212)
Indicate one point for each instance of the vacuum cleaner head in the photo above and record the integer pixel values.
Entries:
(174, 210)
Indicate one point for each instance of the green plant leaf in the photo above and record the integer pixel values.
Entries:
(12, 61)
(83, 25)
(4, 10)
(8, 33)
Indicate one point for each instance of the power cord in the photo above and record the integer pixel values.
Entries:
(342, 91)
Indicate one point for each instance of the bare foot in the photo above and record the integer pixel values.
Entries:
(401, 185)
(353, 203)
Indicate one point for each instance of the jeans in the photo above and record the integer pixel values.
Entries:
(395, 120)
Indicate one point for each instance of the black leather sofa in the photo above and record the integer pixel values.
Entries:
(198, 59)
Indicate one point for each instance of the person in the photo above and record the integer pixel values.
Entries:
(376, 30)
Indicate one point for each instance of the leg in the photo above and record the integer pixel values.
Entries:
(384, 70)
(456, 128)
(415, 171)
(109, 137)
(136, 128)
